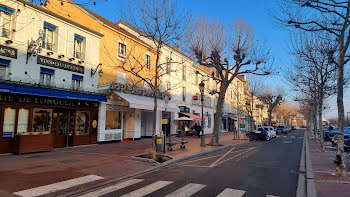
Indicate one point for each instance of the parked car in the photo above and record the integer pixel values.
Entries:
(329, 135)
(281, 129)
(294, 127)
(259, 134)
(288, 129)
(346, 141)
(271, 131)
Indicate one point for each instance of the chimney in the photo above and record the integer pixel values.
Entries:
(176, 47)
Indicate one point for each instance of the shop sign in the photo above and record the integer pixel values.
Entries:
(40, 100)
(7, 134)
(184, 109)
(8, 52)
(164, 121)
(60, 64)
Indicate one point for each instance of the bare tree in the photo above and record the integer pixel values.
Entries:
(314, 68)
(213, 44)
(159, 23)
(252, 91)
(272, 98)
(332, 17)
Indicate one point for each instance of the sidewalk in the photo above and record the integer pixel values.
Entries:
(327, 185)
(109, 161)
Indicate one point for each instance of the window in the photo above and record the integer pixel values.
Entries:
(184, 72)
(209, 121)
(48, 37)
(183, 94)
(167, 69)
(78, 47)
(3, 68)
(5, 21)
(9, 123)
(23, 116)
(148, 62)
(77, 82)
(113, 120)
(168, 87)
(46, 76)
(42, 120)
(82, 123)
(121, 50)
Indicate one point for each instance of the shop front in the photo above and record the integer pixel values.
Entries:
(34, 119)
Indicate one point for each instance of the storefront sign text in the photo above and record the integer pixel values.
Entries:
(60, 64)
(39, 100)
(8, 52)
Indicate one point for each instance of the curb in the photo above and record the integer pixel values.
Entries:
(171, 162)
(306, 182)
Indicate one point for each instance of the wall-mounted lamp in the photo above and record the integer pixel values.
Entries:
(71, 59)
(61, 56)
(93, 71)
(81, 61)
(49, 53)
(8, 41)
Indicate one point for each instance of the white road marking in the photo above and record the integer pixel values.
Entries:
(284, 136)
(46, 189)
(287, 142)
(231, 193)
(186, 190)
(301, 137)
(292, 136)
(143, 191)
(271, 196)
(112, 188)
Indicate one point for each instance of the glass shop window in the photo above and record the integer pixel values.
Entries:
(42, 120)
(113, 120)
(82, 123)
(22, 125)
(9, 123)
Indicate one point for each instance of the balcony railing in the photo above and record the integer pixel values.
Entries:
(6, 33)
(48, 46)
(78, 55)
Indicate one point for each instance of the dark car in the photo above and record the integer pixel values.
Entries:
(294, 127)
(281, 129)
(346, 141)
(260, 134)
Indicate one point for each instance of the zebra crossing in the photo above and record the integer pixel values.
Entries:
(184, 191)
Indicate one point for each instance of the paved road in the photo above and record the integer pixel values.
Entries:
(258, 168)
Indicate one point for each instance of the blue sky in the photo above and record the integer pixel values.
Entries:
(255, 12)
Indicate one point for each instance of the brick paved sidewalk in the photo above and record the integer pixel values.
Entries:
(327, 185)
(110, 161)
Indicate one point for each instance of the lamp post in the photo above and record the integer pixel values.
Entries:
(201, 89)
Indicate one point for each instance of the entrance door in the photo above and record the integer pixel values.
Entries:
(63, 125)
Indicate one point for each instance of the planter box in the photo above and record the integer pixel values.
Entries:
(33, 143)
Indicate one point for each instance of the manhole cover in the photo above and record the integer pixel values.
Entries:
(70, 161)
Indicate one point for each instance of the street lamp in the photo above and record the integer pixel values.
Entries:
(201, 89)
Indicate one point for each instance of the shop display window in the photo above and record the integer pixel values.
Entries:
(22, 125)
(82, 123)
(9, 123)
(113, 120)
(42, 120)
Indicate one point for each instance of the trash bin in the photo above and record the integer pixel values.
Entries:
(160, 143)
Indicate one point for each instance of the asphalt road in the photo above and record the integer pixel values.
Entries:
(258, 168)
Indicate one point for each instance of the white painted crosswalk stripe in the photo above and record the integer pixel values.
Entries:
(148, 189)
(46, 189)
(186, 190)
(231, 193)
(112, 188)
(271, 196)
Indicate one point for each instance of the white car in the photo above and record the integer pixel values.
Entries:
(270, 131)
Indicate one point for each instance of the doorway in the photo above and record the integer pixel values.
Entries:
(63, 127)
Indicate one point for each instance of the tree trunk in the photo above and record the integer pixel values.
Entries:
(217, 120)
(310, 122)
(270, 116)
(340, 169)
(314, 118)
(323, 149)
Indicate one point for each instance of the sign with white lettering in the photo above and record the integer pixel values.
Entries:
(59, 64)
(8, 52)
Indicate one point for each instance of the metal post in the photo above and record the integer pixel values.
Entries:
(202, 124)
